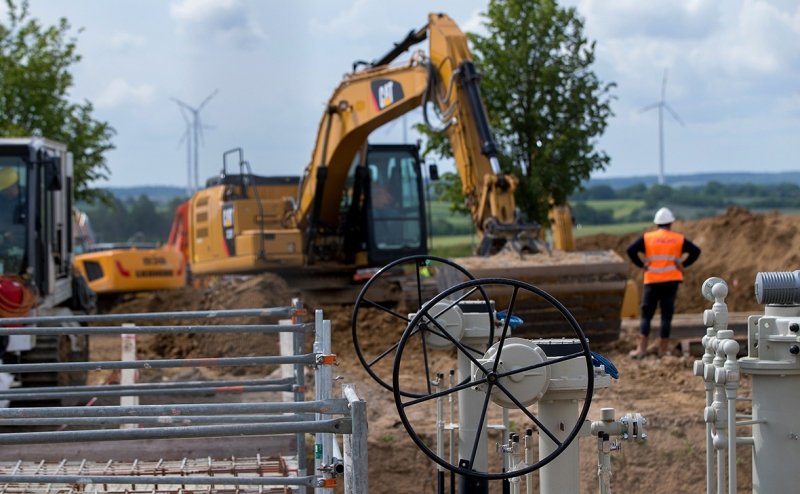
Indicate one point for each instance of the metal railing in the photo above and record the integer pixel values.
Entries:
(224, 447)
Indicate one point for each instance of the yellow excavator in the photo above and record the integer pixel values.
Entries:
(360, 205)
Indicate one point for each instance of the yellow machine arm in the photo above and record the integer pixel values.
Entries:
(379, 93)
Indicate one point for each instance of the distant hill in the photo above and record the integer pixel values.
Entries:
(165, 193)
(156, 193)
(699, 179)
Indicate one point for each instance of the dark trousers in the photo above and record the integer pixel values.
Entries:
(658, 294)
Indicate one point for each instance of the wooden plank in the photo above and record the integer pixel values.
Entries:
(155, 449)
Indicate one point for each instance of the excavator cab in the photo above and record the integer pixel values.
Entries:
(395, 207)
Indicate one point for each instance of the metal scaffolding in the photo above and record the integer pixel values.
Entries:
(184, 447)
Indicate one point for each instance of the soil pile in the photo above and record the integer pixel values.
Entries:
(736, 245)
(262, 291)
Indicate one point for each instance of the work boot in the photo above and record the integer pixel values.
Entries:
(641, 348)
(663, 347)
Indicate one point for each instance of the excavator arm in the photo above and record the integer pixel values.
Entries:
(381, 92)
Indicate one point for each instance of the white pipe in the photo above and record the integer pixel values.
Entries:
(561, 475)
(437, 386)
(470, 405)
(528, 461)
(604, 464)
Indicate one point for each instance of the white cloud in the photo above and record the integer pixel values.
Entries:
(120, 92)
(225, 21)
(474, 24)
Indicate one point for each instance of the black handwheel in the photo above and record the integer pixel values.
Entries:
(495, 378)
(377, 325)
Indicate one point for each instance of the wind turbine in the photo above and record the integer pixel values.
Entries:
(662, 105)
(194, 130)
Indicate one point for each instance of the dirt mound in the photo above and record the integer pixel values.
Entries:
(265, 290)
(736, 245)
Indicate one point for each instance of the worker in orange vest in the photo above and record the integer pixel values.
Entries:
(663, 265)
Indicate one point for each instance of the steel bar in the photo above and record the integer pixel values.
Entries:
(228, 328)
(333, 426)
(163, 420)
(327, 406)
(158, 385)
(154, 479)
(149, 316)
(308, 358)
(110, 391)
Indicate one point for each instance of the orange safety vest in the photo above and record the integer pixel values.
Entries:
(662, 250)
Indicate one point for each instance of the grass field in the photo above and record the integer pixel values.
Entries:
(620, 208)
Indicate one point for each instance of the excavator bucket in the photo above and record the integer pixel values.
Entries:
(591, 285)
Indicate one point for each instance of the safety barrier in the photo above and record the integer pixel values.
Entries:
(223, 447)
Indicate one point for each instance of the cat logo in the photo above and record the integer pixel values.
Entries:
(385, 92)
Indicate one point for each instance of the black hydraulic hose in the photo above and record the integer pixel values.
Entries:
(470, 79)
(322, 175)
(411, 39)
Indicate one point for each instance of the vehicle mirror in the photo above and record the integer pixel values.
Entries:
(52, 174)
(433, 172)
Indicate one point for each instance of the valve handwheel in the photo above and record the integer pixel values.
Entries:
(377, 326)
(492, 375)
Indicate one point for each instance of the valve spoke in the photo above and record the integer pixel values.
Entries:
(457, 343)
(480, 424)
(386, 309)
(542, 364)
(527, 412)
(463, 385)
(507, 323)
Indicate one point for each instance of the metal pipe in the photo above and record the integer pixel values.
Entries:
(148, 316)
(298, 342)
(162, 420)
(340, 425)
(131, 391)
(324, 382)
(169, 385)
(154, 479)
(308, 358)
(329, 406)
(227, 328)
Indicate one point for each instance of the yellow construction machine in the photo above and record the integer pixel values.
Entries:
(360, 205)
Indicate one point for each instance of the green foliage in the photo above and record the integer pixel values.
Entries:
(35, 79)
(448, 189)
(138, 219)
(638, 203)
(546, 104)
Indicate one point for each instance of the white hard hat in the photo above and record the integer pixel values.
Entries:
(663, 217)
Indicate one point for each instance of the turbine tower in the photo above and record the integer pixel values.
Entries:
(192, 136)
(662, 105)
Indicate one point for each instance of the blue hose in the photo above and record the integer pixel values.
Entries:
(514, 322)
(599, 360)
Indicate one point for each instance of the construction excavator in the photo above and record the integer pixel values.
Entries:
(359, 205)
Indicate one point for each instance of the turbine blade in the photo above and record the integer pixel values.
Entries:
(674, 115)
(208, 98)
(649, 107)
(664, 86)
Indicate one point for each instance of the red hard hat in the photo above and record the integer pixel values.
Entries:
(11, 290)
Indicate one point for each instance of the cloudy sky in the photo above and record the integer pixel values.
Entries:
(733, 70)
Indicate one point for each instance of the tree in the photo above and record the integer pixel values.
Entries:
(546, 105)
(35, 79)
